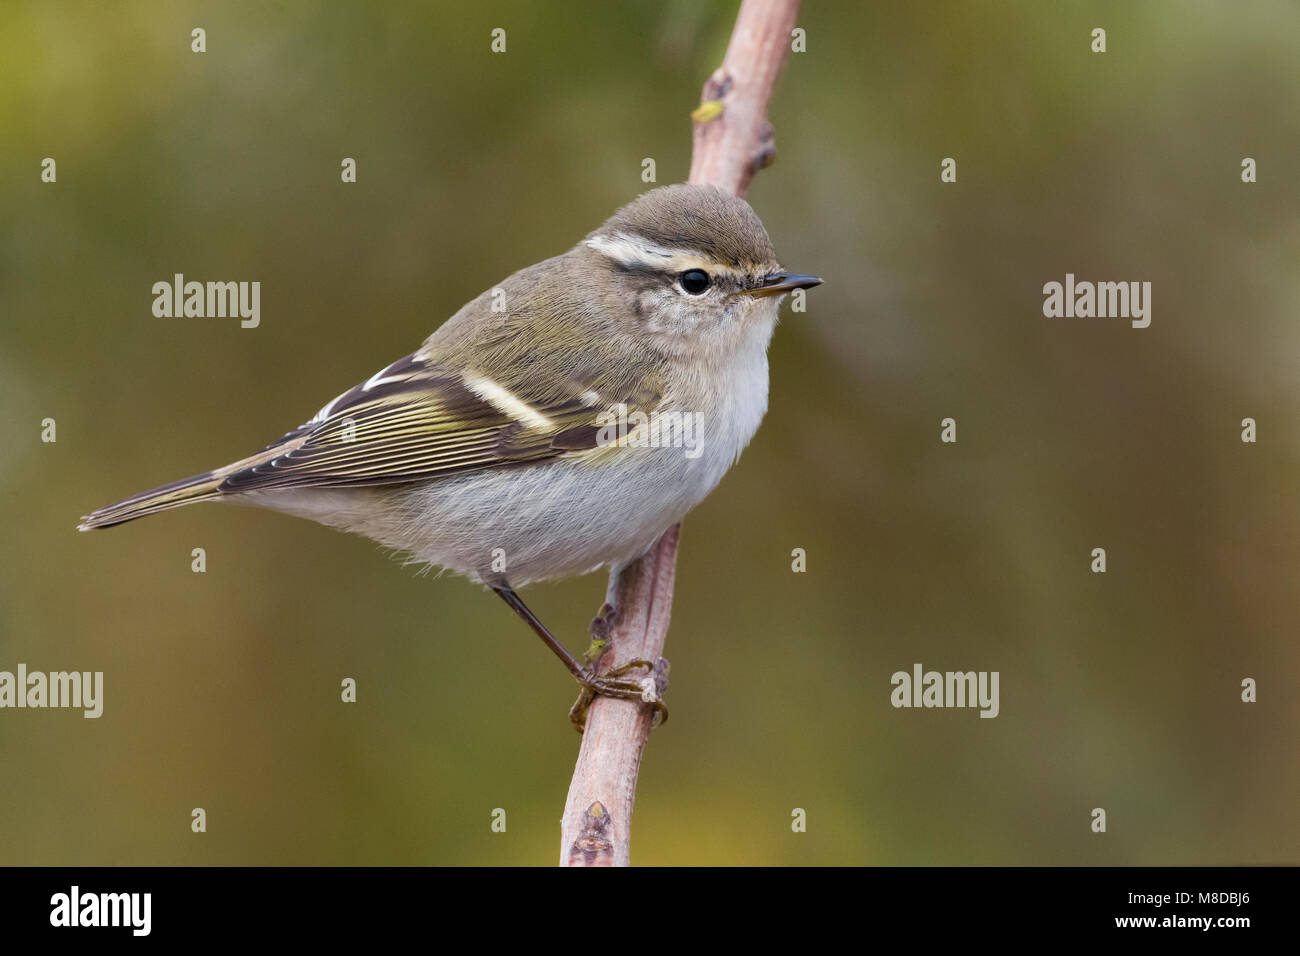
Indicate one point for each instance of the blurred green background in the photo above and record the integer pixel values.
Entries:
(1119, 690)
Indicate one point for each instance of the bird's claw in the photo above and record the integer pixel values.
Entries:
(649, 689)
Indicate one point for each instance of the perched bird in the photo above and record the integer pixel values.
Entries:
(541, 432)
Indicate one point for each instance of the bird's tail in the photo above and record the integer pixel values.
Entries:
(202, 487)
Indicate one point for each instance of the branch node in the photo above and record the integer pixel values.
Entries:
(717, 86)
(594, 845)
(765, 154)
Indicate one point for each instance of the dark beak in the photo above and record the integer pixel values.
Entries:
(779, 283)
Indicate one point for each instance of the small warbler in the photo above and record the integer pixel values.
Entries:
(538, 433)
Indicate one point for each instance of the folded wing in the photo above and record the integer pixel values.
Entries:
(416, 420)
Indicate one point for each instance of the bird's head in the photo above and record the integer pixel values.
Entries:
(690, 263)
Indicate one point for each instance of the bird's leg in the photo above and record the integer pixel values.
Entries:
(594, 685)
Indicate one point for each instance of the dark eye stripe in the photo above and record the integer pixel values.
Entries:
(645, 277)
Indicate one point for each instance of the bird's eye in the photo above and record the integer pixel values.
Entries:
(694, 281)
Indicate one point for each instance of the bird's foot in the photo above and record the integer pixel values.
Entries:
(649, 689)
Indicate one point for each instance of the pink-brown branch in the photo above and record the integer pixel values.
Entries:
(732, 141)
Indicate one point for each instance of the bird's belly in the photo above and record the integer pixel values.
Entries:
(530, 523)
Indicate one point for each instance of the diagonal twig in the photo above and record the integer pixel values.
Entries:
(732, 141)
